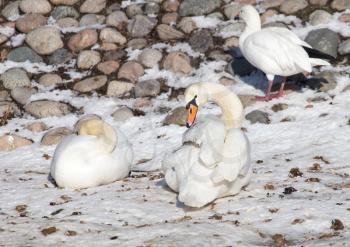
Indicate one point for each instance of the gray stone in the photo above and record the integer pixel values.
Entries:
(67, 22)
(134, 9)
(201, 41)
(47, 108)
(54, 136)
(117, 19)
(92, 6)
(60, 56)
(23, 54)
(323, 81)
(275, 24)
(319, 17)
(44, 40)
(114, 55)
(36, 127)
(22, 94)
(119, 88)
(122, 114)
(140, 26)
(178, 116)
(231, 10)
(10, 142)
(152, 8)
(4, 95)
(15, 77)
(137, 43)
(64, 2)
(187, 25)
(344, 47)
(11, 10)
(147, 88)
(35, 6)
(49, 80)
(324, 40)
(219, 55)
(292, 6)
(166, 32)
(113, 7)
(88, 59)
(64, 11)
(257, 116)
(90, 84)
(150, 57)
(30, 22)
(91, 19)
(198, 7)
(340, 4)
(131, 71)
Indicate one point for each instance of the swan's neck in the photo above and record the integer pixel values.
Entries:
(108, 139)
(252, 25)
(230, 104)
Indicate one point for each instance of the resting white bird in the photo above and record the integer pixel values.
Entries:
(214, 159)
(98, 155)
(275, 50)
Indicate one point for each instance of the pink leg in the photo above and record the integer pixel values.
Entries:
(280, 91)
(267, 96)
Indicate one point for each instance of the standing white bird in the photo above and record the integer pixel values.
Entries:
(98, 155)
(275, 50)
(214, 159)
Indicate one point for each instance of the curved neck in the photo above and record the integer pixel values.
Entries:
(230, 104)
(253, 24)
(108, 138)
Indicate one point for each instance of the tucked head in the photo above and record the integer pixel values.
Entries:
(92, 127)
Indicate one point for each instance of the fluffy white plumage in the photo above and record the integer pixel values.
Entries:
(98, 155)
(274, 50)
(214, 159)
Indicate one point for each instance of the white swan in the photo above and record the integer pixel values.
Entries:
(275, 50)
(214, 159)
(98, 155)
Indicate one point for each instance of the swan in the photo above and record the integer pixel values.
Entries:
(275, 51)
(214, 159)
(97, 155)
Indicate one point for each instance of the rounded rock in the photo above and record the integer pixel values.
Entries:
(177, 62)
(201, 41)
(11, 10)
(11, 142)
(324, 40)
(117, 19)
(64, 11)
(67, 22)
(92, 6)
(88, 59)
(90, 84)
(22, 94)
(47, 108)
(344, 47)
(54, 136)
(82, 40)
(150, 57)
(23, 54)
(91, 19)
(166, 32)
(60, 56)
(30, 22)
(131, 71)
(49, 80)
(44, 40)
(108, 67)
(35, 6)
(119, 88)
(15, 77)
(293, 6)
(64, 2)
(111, 35)
(36, 127)
(178, 116)
(140, 26)
(122, 114)
(171, 5)
(319, 17)
(134, 9)
(340, 4)
(198, 7)
(148, 88)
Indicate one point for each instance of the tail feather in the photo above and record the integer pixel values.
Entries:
(313, 53)
(318, 62)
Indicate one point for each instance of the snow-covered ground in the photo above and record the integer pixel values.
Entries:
(311, 135)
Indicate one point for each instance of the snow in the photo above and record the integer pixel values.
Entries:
(141, 211)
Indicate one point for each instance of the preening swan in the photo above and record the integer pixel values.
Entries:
(98, 154)
(275, 50)
(214, 159)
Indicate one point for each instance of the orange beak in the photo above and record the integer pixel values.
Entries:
(192, 113)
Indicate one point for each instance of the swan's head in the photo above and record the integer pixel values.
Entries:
(102, 130)
(249, 15)
(195, 95)
(93, 127)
